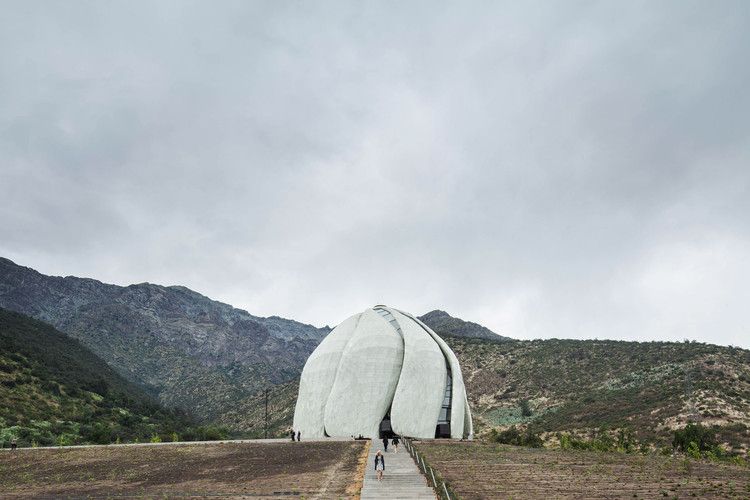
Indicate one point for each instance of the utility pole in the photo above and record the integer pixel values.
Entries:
(265, 391)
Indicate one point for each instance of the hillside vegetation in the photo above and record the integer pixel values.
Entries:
(54, 391)
(587, 387)
(598, 386)
(194, 353)
(248, 416)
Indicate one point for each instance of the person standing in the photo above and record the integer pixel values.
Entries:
(385, 444)
(291, 433)
(379, 465)
(13, 444)
(395, 442)
(299, 434)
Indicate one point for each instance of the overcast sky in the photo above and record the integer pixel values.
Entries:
(547, 169)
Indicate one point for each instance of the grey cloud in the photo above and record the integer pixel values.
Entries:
(549, 169)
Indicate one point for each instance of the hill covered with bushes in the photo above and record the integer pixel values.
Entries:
(646, 389)
(54, 391)
(637, 393)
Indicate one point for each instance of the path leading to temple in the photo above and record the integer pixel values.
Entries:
(402, 479)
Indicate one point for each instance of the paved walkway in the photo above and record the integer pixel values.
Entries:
(402, 478)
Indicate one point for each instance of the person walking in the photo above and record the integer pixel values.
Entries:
(299, 434)
(13, 444)
(379, 465)
(291, 433)
(395, 442)
(385, 444)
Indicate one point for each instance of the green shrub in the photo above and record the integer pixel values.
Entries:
(515, 437)
(603, 441)
(207, 433)
(525, 408)
(694, 450)
(703, 438)
(565, 442)
(626, 441)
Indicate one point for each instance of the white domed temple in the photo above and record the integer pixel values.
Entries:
(382, 372)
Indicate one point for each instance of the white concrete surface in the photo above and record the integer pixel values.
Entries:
(366, 379)
(468, 421)
(369, 364)
(421, 385)
(459, 403)
(317, 379)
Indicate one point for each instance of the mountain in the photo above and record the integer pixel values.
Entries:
(446, 325)
(649, 388)
(212, 360)
(193, 353)
(585, 386)
(53, 390)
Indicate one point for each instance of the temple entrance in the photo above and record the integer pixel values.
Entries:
(443, 431)
(386, 431)
(443, 427)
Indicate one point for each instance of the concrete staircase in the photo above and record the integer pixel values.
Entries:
(401, 480)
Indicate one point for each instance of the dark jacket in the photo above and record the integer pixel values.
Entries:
(382, 461)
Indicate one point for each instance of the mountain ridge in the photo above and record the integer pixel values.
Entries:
(192, 352)
(5, 262)
(446, 325)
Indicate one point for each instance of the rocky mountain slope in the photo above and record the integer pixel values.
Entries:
(54, 391)
(192, 352)
(444, 325)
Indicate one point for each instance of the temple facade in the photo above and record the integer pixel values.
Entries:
(382, 372)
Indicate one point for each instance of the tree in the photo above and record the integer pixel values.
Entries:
(702, 437)
(525, 408)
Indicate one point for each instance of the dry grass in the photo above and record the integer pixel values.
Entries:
(257, 470)
(355, 489)
(477, 470)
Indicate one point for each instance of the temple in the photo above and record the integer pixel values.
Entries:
(379, 373)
